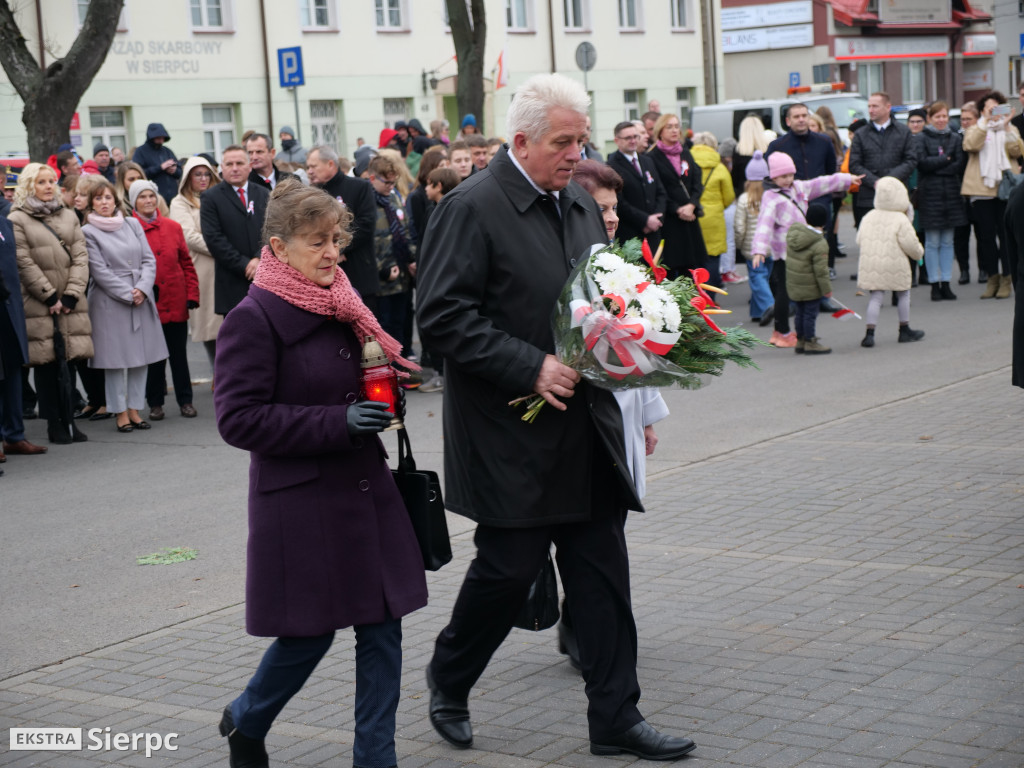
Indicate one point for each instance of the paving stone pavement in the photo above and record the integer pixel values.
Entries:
(848, 595)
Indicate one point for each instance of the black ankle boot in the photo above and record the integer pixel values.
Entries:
(909, 334)
(965, 277)
(947, 293)
(77, 435)
(869, 338)
(937, 292)
(245, 752)
(57, 432)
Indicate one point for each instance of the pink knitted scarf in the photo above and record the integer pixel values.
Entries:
(674, 154)
(339, 301)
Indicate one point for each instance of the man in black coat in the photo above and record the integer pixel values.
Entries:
(497, 252)
(1014, 219)
(261, 153)
(812, 153)
(883, 147)
(357, 195)
(231, 216)
(158, 162)
(642, 199)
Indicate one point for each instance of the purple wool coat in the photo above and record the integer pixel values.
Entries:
(330, 542)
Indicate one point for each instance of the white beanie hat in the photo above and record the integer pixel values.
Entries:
(138, 187)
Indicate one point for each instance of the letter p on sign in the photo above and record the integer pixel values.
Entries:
(289, 67)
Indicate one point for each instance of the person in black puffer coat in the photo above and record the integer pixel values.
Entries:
(940, 164)
(158, 162)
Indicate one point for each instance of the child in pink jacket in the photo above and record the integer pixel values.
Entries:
(784, 204)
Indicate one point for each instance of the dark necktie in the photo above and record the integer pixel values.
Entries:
(636, 164)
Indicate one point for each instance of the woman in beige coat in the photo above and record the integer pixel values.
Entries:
(197, 177)
(54, 269)
(992, 145)
(888, 243)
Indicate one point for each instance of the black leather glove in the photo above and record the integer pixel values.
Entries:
(367, 418)
(192, 304)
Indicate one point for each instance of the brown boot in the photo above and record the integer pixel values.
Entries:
(991, 287)
(813, 346)
(1005, 287)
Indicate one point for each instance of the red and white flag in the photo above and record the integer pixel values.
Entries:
(501, 80)
(845, 313)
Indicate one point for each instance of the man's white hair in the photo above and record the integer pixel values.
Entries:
(528, 113)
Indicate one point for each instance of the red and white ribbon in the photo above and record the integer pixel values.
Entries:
(633, 341)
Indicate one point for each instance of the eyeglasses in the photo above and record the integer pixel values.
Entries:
(387, 183)
(630, 137)
(202, 175)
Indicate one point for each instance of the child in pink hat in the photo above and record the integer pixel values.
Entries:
(784, 204)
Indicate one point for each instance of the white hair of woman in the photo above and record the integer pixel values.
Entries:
(752, 136)
(528, 113)
(707, 139)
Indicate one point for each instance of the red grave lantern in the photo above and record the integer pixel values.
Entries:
(379, 382)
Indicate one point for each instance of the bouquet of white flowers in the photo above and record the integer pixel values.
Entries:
(622, 325)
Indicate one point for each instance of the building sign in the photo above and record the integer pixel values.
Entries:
(868, 48)
(76, 123)
(979, 45)
(915, 11)
(774, 14)
(978, 81)
(178, 58)
(768, 38)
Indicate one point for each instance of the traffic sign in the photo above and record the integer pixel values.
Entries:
(289, 67)
(794, 79)
(586, 56)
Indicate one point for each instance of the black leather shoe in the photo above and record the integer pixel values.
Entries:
(245, 752)
(450, 717)
(567, 645)
(767, 316)
(645, 742)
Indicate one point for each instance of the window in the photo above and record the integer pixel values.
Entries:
(869, 79)
(82, 8)
(317, 14)
(684, 98)
(681, 14)
(822, 73)
(519, 15)
(392, 15)
(577, 15)
(395, 110)
(631, 101)
(110, 126)
(218, 127)
(210, 15)
(324, 123)
(912, 75)
(631, 15)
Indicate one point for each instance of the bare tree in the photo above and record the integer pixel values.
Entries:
(51, 95)
(469, 31)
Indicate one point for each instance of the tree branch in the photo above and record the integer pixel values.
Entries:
(20, 65)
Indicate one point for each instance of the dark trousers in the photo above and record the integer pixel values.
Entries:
(391, 311)
(12, 424)
(28, 392)
(990, 229)
(962, 246)
(94, 382)
(858, 214)
(176, 336)
(50, 405)
(806, 318)
(288, 663)
(594, 566)
(714, 273)
(777, 281)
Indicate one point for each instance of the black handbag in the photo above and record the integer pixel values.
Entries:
(541, 609)
(421, 492)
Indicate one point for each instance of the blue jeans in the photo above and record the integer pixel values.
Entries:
(938, 254)
(760, 292)
(288, 663)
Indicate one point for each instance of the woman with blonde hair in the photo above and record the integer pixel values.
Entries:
(54, 269)
(751, 139)
(196, 177)
(128, 173)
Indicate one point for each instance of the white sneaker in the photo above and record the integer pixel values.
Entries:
(436, 384)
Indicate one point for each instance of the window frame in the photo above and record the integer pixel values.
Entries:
(105, 132)
(122, 19)
(392, 118)
(404, 20)
(913, 73)
(529, 25)
(870, 87)
(318, 122)
(227, 17)
(638, 12)
(216, 127)
(332, 16)
(687, 6)
(641, 97)
(585, 24)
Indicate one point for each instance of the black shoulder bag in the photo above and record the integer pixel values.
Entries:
(421, 492)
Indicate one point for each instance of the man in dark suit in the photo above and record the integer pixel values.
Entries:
(883, 147)
(231, 216)
(588, 151)
(642, 199)
(261, 153)
(497, 252)
(357, 195)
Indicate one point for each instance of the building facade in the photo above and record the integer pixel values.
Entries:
(209, 69)
(915, 50)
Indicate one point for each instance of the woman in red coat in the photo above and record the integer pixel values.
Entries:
(177, 291)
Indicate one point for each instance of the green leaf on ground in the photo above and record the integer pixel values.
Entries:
(168, 555)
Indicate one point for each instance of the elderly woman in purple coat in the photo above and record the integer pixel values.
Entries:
(330, 542)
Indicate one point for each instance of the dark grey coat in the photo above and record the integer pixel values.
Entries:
(875, 154)
(496, 256)
(940, 166)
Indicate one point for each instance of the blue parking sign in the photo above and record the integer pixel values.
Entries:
(289, 67)
(794, 79)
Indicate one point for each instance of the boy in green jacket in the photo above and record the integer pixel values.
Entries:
(807, 277)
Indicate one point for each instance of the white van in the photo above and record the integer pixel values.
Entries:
(723, 120)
